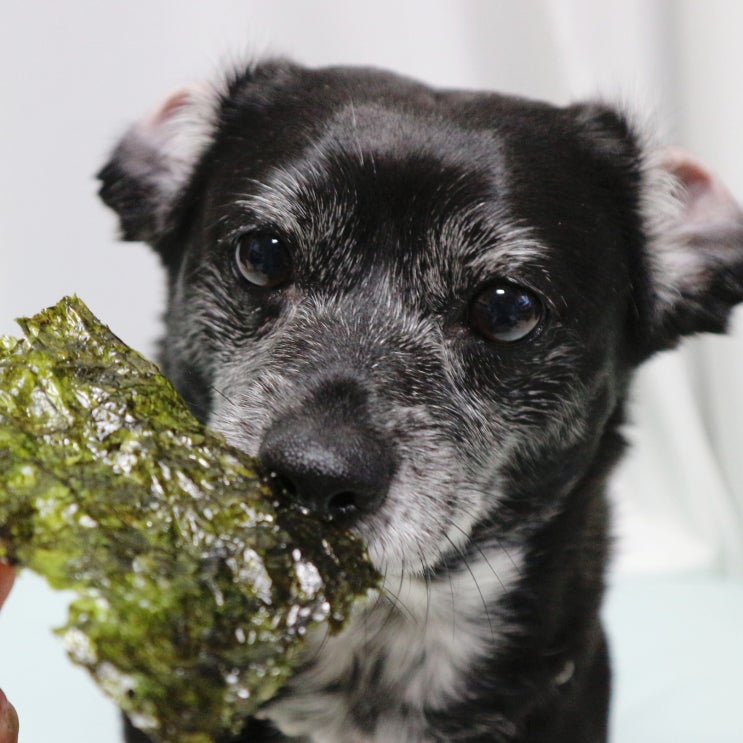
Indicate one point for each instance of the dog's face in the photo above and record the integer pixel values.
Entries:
(420, 308)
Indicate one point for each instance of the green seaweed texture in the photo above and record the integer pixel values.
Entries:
(195, 584)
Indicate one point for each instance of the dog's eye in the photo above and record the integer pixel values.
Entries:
(262, 259)
(505, 313)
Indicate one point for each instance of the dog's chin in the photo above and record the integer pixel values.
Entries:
(400, 551)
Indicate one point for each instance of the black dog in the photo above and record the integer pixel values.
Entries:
(422, 309)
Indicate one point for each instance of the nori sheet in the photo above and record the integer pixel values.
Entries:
(195, 582)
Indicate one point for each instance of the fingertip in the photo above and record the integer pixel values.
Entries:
(7, 577)
(8, 721)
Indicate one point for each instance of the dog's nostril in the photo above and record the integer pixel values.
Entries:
(285, 484)
(342, 504)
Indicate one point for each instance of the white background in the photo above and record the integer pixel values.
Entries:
(73, 74)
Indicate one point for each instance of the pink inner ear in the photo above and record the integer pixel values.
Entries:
(707, 202)
(175, 102)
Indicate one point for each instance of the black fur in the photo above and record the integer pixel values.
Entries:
(398, 203)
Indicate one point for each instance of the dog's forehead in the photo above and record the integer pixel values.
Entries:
(357, 143)
(340, 121)
(379, 169)
(380, 166)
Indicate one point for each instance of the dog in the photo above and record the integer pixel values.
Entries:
(422, 310)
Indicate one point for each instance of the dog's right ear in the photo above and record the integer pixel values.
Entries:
(155, 159)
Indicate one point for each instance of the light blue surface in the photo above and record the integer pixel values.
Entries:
(56, 701)
(677, 645)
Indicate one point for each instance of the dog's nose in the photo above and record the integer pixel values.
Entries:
(340, 471)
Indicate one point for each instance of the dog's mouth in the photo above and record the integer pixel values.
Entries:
(402, 487)
(403, 547)
(396, 546)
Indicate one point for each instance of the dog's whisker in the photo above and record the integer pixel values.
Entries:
(482, 554)
(426, 579)
(466, 563)
(396, 606)
(318, 651)
(224, 396)
(499, 542)
(401, 605)
(397, 609)
(453, 603)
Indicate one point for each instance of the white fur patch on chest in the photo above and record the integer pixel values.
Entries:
(409, 651)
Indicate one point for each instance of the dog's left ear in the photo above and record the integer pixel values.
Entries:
(155, 160)
(694, 249)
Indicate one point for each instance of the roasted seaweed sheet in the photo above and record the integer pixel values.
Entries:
(195, 584)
